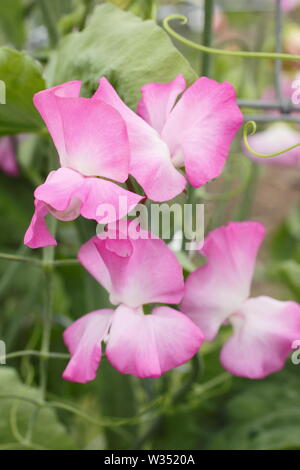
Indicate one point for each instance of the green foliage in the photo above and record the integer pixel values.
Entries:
(22, 76)
(289, 271)
(264, 415)
(144, 8)
(47, 431)
(15, 210)
(11, 22)
(118, 45)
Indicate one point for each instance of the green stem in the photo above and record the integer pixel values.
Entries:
(48, 258)
(22, 259)
(44, 263)
(250, 126)
(88, 4)
(211, 50)
(49, 20)
(196, 369)
(31, 352)
(65, 262)
(207, 34)
(154, 8)
(245, 206)
(191, 200)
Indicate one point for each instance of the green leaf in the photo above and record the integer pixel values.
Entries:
(284, 243)
(123, 4)
(289, 272)
(12, 23)
(120, 46)
(48, 432)
(22, 76)
(143, 8)
(253, 421)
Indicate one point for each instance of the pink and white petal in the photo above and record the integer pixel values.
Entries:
(96, 140)
(120, 247)
(275, 138)
(150, 161)
(201, 127)
(158, 100)
(83, 339)
(105, 201)
(264, 330)
(37, 234)
(216, 290)
(151, 274)
(46, 103)
(149, 345)
(117, 238)
(69, 194)
(90, 258)
(60, 188)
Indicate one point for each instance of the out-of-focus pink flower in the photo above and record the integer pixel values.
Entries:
(287, 90)
(218, 292)
(276, 137)
(288, 5)
(195, 132)
(92, 143)
(8, 162)
(134, 272)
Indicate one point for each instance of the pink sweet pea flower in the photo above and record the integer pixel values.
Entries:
(218, 292)
(137, 344)
(195, 133)
(288, 5)
(276, 137)
(92, 143)
(8, 162)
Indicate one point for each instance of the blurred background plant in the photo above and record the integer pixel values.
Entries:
(197, 406)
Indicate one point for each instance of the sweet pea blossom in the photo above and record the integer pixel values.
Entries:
(8, 162)
(218, 292)
(194, 132)
(280, 135)
(92, 143)
(276, 137)
(135, 272)
(288, 5)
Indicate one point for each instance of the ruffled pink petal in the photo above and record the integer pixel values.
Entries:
(158, 100)
(151, 273)
(149, 345)
(117, 238)
(83, 339)
(201, 127)
(150, 161)
(264, 330)
(60, 188)
(274, 139)
(105, 201)
(46, 103)
(8, 162)
(89, 135)
(96, 138)
(68, 194)
(120, 247)
(37, 234)
(216, 290)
